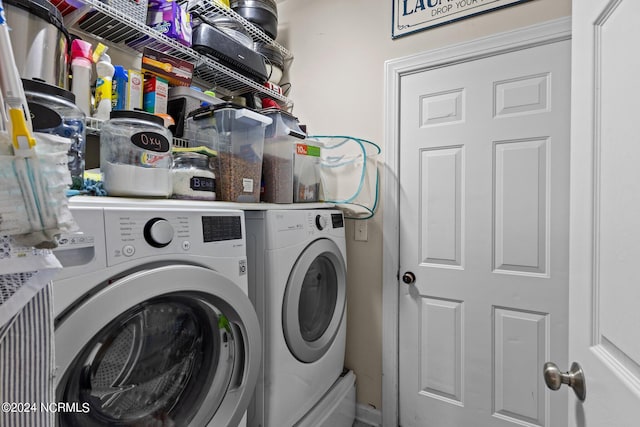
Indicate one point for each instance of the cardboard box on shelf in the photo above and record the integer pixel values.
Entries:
(134, 90)
(156, 93)
(176, 71)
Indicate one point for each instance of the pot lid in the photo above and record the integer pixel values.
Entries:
(38, 86)
(208, 110)
(272, 53)
(140, 115)
(276, 111)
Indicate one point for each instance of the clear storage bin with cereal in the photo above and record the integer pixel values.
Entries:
(239, 145)
(281, 139)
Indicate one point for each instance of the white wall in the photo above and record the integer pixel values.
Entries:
(337, 81)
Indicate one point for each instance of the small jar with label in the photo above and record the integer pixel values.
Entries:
(192, 176)
(135, 155)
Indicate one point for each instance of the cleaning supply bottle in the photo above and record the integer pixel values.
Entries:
(81, 65)
(105, 71)
(119, 88)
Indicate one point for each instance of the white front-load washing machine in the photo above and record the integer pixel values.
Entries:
(297, 281)
(153, 324)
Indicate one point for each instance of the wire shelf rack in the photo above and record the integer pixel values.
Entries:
(93, 126)
(114, 25)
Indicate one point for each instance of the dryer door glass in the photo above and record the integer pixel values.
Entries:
(152, 365)
(315, 300)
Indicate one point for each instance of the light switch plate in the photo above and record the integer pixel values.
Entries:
(361, 230)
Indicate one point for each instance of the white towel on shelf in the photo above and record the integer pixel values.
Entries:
(27, 364)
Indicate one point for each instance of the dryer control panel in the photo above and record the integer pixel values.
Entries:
(323, 220)
(337, 220)
(286, 228)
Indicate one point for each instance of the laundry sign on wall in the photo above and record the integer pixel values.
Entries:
(410, 16)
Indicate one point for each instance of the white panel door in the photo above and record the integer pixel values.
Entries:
(605, 213)
(484, 209)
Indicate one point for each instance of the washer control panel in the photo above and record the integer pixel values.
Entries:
(145, 233)
(158, 232)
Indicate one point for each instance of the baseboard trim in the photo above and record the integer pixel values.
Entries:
(368, 415)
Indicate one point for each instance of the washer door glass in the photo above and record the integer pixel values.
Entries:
(176, 345)
(315, 300)
(151, 364)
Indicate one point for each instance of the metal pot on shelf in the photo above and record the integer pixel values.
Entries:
(40, 41)
(262, 13)
(275, 60)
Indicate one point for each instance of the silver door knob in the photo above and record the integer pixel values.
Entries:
(408, 277)
(574, 378)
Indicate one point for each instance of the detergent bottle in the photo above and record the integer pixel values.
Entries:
(105, 71)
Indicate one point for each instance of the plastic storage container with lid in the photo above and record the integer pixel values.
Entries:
(184, 100)
(280, 142)
(306, 173)
(135, 155)
(193, 176)
(200, 130)
(53, 111)
(239, 137)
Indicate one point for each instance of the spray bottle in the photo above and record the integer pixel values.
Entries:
(81, 65)
(105, 71)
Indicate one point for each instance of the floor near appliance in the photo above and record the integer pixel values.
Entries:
(361, 423)
(337, 408)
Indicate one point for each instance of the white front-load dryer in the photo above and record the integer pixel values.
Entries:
(153, 322)
(297, 281)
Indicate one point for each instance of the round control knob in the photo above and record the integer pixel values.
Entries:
(158, 232)
(321, 222)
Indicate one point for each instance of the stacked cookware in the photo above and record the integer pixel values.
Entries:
(261, 13)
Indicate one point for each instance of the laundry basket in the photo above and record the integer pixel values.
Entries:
(349, 174)
(24, 271)
(26, 334)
